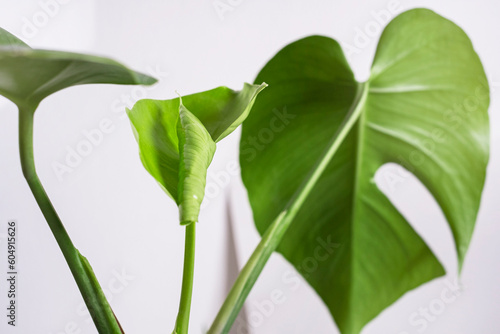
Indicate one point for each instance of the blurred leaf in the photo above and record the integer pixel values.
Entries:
(27, 76)
(8, 40)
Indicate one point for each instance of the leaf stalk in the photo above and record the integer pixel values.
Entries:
(182, 322)
(83, 274)
(275, 232)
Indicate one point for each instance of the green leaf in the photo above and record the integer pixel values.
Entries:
(7, 40)
(177, 139)
(27, 76)
(424, 107)
(196, 150)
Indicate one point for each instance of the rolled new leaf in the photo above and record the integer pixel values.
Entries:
(177, 139)
(196, 150)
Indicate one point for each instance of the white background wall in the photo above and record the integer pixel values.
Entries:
(120, 219)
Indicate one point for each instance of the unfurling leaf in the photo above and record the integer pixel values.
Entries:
(177, 139)
(196, 150)
(423, 107)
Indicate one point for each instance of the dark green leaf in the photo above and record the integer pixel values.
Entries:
(424, 107)
(27, 76)
(7, 40)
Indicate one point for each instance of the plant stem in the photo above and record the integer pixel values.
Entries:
(275, 232)
(182, 323)
(87, 283)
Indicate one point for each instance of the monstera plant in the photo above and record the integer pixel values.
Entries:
(177, 140)
(27, 76)
(424, 107)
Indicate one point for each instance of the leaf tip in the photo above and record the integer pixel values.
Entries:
(144, 79)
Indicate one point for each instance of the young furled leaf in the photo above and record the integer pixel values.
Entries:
(424, 107)
(177, 139)
(196, 150)
(176, 144)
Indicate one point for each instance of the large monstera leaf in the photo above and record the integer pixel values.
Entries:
(27, 75)
(423, 107)
(177, 139)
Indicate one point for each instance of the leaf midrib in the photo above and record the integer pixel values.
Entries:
(358, 104)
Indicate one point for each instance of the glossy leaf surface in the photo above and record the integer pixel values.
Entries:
(424, 107)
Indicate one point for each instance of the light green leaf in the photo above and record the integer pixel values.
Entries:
(424, 107)
(196, 150)
(27, 76)
(177, 140)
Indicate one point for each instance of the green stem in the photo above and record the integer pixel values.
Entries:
(275, 232)
(87, 283)
(182, 323)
